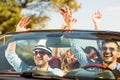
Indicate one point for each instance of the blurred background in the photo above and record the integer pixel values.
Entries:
(45, 13)
(40, 11)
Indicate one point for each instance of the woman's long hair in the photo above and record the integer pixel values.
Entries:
(65, 64)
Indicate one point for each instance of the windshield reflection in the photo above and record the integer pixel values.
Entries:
(62, 56)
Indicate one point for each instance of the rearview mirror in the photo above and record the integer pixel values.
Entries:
(58, 41)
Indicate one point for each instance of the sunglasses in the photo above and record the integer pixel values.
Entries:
(40, 52)
(106, 48)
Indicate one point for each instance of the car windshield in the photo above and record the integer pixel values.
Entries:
(75, 53)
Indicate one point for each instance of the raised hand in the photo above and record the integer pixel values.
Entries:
(67, 16)
(96, 18)
(22, 25)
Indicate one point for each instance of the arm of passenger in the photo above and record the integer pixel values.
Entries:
(13, 58)
(78, 52)
(99, 44)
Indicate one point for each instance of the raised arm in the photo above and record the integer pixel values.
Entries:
(76, 49)
(21, 26)
(96, 18)
(68, 18)
(10, 54)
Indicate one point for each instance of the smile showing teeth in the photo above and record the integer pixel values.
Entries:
(107, 56)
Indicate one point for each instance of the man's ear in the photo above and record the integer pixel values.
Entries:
(50, 57)
(118, 55)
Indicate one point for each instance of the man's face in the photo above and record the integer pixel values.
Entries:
(92, 55)
(110, 52)
(41, 57)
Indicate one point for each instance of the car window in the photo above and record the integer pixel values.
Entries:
(24, 48)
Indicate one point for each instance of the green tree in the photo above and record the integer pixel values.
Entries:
(10, 13)
(9, 16)
(73, 4)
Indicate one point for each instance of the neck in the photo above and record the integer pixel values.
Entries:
(42, 68)
(109, 65)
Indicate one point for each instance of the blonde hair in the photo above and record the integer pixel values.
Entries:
(65, 64)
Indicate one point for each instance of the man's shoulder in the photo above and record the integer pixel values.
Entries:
(118, 63)
(117, 66)
(116, 70)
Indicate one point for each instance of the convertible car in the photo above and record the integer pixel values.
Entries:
(63, 39)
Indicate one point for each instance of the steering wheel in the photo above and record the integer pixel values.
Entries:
(97, 66)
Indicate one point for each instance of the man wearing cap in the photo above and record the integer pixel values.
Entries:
(42, 55)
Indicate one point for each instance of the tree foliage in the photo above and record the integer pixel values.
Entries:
(9, 16)
(39, 22)
(10, 12)
(73, 4)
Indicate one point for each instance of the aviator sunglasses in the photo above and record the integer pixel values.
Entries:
(106, 48)
(40, 52)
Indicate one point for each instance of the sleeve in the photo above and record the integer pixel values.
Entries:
(15, 61)
(99, 44)
(78, 52)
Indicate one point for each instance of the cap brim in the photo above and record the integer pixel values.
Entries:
(44, 48)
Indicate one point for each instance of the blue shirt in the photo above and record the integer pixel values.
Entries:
(80, 54)
(20, 66)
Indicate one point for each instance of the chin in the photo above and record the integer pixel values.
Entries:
(108, 61)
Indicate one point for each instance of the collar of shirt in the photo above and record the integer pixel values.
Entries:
(116, 66)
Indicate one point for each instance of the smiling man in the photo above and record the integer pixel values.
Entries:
(110, 53)
(41, 54)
